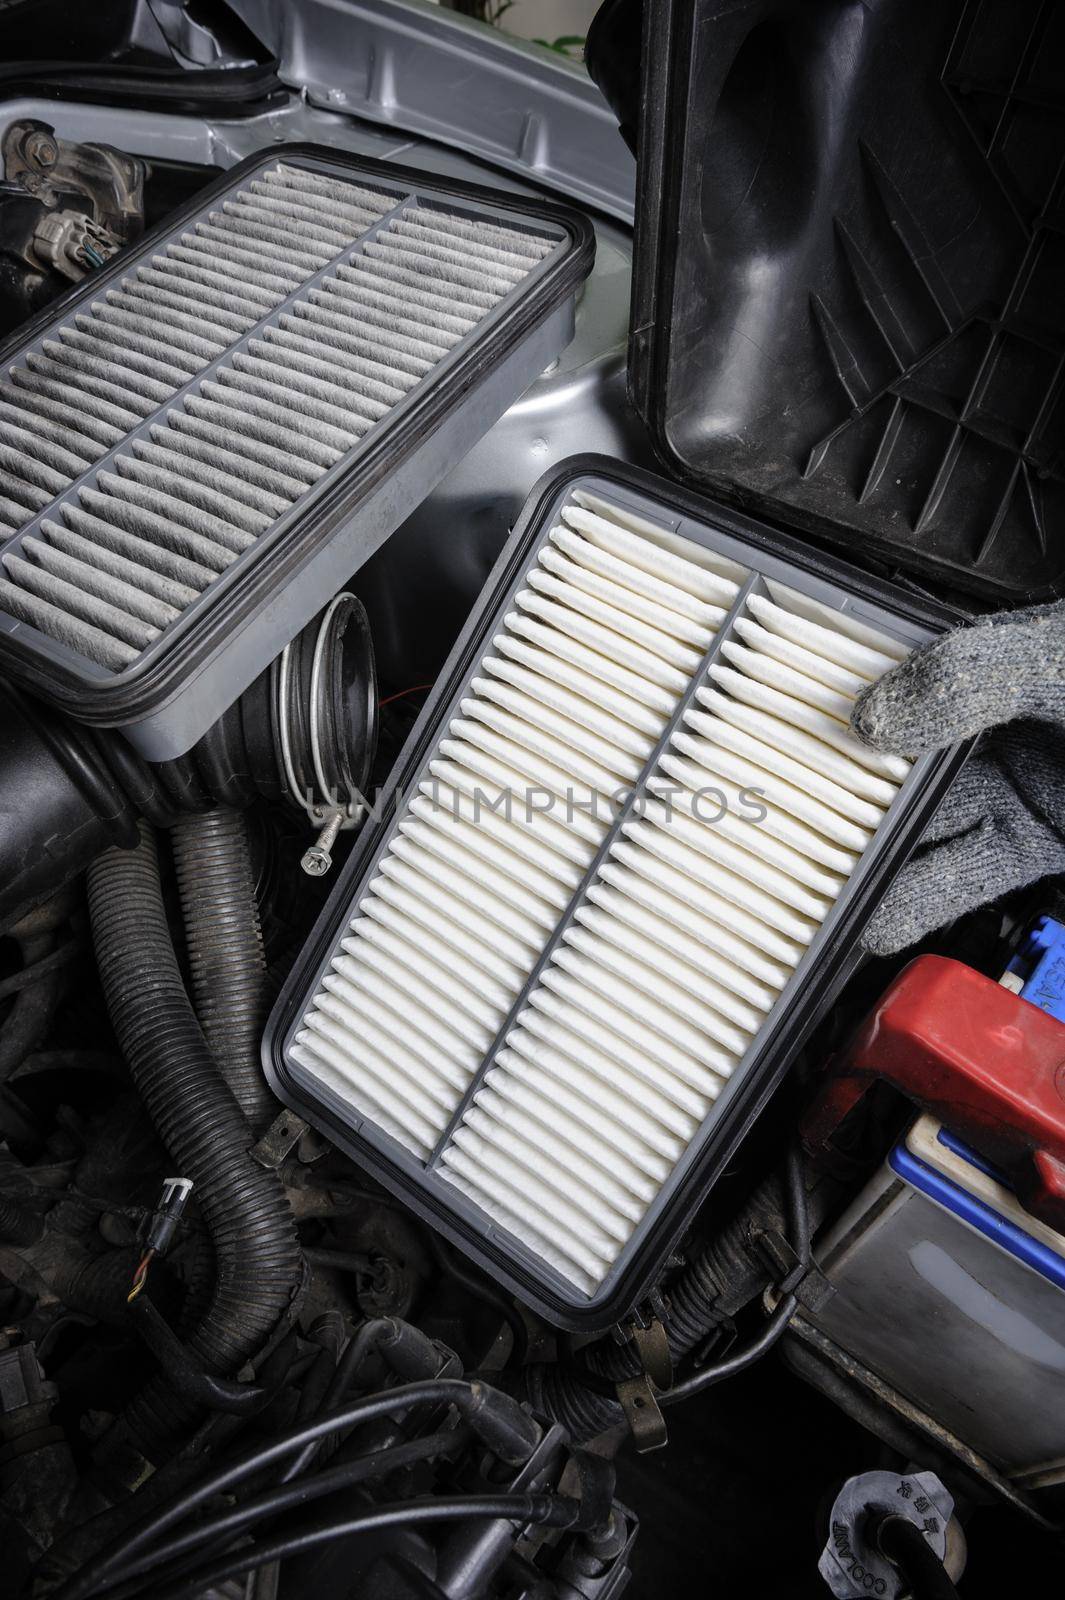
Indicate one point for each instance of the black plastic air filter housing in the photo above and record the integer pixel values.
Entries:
(847, 308)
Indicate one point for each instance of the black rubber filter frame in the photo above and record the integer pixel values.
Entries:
(847, 309)
(165, 699)
(764, 551)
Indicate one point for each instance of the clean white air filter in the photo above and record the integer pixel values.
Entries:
(625, 833)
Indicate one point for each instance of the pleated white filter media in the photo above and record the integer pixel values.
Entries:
(250, 355)
(560, 1101)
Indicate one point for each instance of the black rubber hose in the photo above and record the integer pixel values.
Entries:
(542, 1510)
(19, 1225)
(96, 1286)
(726, 1275)
(225, 945)
(907, 1548)
(275, 1502)
(257, 1258)
(493, 1415)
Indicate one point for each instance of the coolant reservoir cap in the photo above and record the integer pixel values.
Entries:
(852, 1563)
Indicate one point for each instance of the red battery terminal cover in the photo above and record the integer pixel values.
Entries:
(987, 1064)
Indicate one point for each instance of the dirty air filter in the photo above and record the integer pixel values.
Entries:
(200, 445)
(542, 1011)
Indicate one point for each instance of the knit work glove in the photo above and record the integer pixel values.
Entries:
(1002, 824)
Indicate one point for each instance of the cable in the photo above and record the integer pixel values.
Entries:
(799, 1206)
(140, 1277)
(439, 1391)
(401, 694)
(546, 1510)
(278, 1501)
(799, 1220)
(331, 1391)
(907, 1549)
(482, 1288)
(728, 1368)
(359, 1346)
(314, 1384)
(356, 1261)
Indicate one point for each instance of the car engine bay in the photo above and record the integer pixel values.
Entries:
(402, 1200)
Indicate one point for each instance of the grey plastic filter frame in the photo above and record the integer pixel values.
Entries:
(767, 555)
(182, 682)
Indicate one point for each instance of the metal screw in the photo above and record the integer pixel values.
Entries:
(318, 859)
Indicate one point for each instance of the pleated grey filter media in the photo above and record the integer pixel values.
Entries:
(155, 436)
(626, 836)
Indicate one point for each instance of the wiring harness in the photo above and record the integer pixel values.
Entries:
(250, 1510)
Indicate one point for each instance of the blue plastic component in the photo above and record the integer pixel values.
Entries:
(977, 1212)
(950, 1141)
(1040, 961)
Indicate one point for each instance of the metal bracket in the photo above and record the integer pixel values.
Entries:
(279, 1140)
(652, 1347)
(638, 1397)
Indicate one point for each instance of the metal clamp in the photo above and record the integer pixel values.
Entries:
(638, 1397)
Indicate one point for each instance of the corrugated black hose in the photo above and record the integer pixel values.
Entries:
(19, 1224)
(257, 1258)
(726, 1275)
(225, 944)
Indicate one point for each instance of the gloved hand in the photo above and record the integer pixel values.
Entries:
(1002, 825)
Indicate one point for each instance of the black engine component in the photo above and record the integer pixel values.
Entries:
(496, 1473)
(303, 734)
(65, 208)
(37, 1471)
